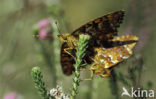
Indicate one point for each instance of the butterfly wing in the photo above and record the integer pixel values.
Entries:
(103, 28)
(111, 56)
(67, 61)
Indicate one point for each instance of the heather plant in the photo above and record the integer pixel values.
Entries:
(37, 76)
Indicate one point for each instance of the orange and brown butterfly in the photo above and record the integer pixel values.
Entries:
(120, 48)
(100, 30)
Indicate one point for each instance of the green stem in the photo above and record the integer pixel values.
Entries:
(56, 48)
(82, 46)
(39, 84)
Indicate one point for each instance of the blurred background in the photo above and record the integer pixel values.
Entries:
(20, 51)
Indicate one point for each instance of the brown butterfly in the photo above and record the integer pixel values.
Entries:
(100, 30)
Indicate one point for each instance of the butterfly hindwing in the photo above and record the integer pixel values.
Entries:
(111, 56)
(67, 61)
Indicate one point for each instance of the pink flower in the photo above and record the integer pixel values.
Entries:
(11, 95)
(44, 29)
(43, 33)
(43, 23)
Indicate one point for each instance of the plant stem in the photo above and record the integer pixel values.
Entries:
(39, 84)
(56, 48)
(81, 51)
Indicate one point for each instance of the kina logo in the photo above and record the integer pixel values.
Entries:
(138, 93)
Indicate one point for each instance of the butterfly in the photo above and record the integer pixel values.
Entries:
(101, 30)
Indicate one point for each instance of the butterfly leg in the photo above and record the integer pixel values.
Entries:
(84, 65)
(66, 50)
(107, 74)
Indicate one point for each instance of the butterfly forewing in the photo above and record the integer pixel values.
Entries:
(103, 28)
